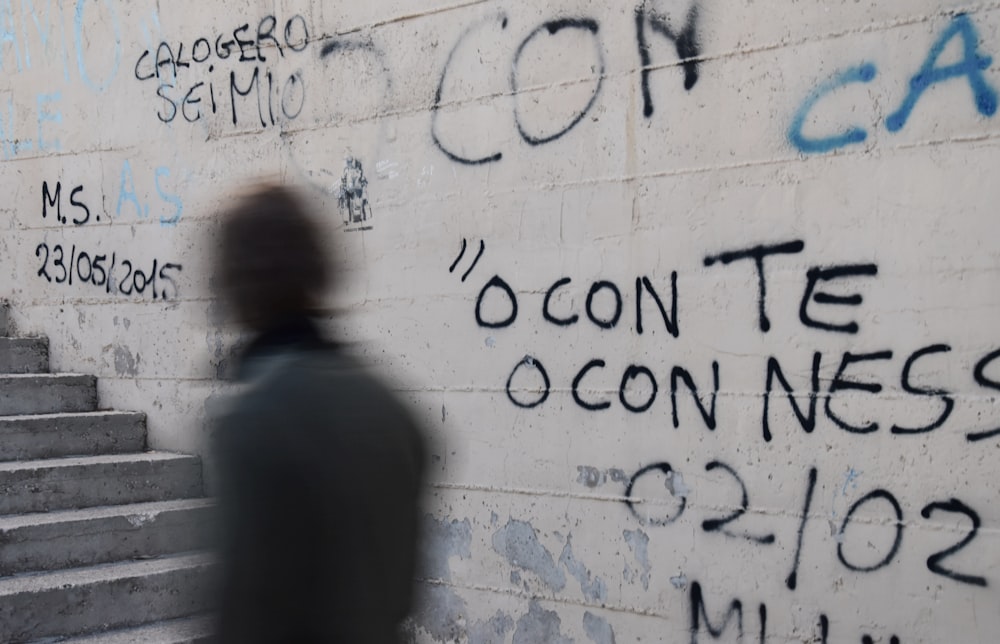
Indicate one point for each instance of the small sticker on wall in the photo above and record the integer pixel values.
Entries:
(352, 197)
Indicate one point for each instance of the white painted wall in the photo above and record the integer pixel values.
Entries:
(533, 538)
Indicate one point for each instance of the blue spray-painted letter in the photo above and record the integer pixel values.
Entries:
(127, 193)
(170, 198)
(971, 66)
(861, 74)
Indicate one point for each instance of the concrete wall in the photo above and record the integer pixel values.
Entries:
(586, 262)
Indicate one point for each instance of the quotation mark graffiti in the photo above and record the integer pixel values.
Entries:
(461, 254)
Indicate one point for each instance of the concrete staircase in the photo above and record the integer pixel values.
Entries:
(100, 540)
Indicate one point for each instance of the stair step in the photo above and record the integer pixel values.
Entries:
(24, 355)
(75, 538)
(103, 598)
(71, 434)
(193, 630)
(88, 481)
(47, 393)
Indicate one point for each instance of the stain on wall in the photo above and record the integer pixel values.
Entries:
(598, 629)
(517, 542)
(540, 625)
(638, 544)
(593, 588)
(126, 364)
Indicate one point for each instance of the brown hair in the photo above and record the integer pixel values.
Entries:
(271, 263)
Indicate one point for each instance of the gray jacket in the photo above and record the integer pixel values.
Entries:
(320, 468)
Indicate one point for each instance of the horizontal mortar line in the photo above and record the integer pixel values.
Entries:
(123, 300)
(412, 16)
(741, 165)
(61, 153)
(560, 494)
(517, 592)
(417, 109)
(776, 394)
(209, 218)
(682, 633)
(333, 314)
(273, 130)
(921, 524)
(673, 172)
(113, 222)
(116, 378)
(330, 314)
(187, 379)
(790, 160)
(92, 302)
(699, 270)
(411, 390)
(961, 138)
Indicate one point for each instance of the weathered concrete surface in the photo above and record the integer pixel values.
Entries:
(47, 394)
(24, 355)
(71, 434)
(194, 630)
(76, 538)
(86, 481)
(818, 175)
(103, 597)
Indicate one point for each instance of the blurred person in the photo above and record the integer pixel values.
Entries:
(319, 464)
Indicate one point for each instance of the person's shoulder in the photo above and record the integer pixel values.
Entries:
(337, 370)
(332, 362)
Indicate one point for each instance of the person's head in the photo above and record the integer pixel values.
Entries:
(271, 264)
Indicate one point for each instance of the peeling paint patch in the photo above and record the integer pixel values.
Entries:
(593, 588)
(589, 476)
(139, 520)
(593, 477)
(441, 612)
(441, 541)
(617, 475)
(518, 543)
(675, 483)
(540, 625)
(638, 543)
(679, 582)
(387, 169)
(598, 629)
(493, 631)
(125, 363)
